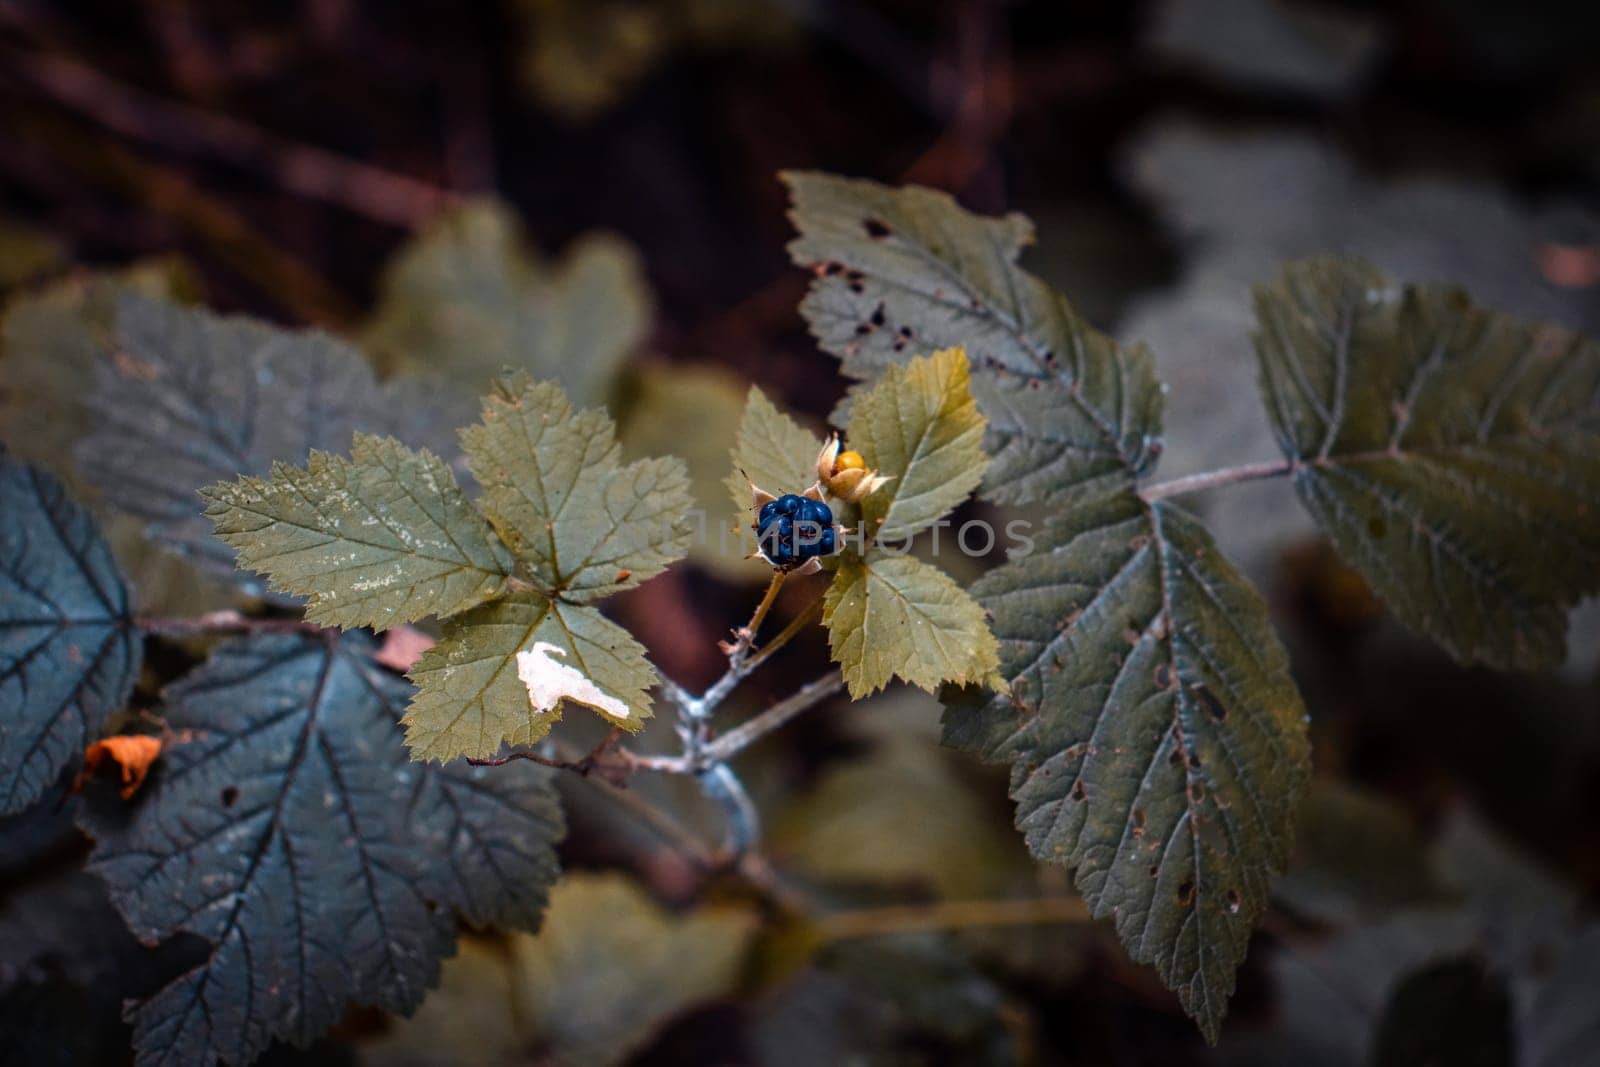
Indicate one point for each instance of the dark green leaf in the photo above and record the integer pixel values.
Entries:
(383, 538)
(294, 836)
(1156, 740)
(69, 653)
(1435, 442)
(54, 339)
(193, 398)
(906, 271)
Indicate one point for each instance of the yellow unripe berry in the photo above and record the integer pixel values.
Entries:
(849, 461)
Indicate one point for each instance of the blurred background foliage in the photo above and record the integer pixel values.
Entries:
(587, 188)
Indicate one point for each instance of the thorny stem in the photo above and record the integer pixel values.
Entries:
(1194, 483)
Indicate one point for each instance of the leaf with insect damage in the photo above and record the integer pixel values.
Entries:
(323, 854)
(382, 538)
(902, 271)
(189, 398)
(554, 485)
(471, 699)
(469, 298)
(1156, 740)
(69, 652)
(1436, 442)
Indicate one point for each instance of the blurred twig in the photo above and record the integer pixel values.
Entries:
(951, 915)
(289, 281)
(301, 169)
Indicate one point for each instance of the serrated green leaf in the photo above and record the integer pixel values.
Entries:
(1435, 442)
(772, 451)
(69, 652)
(901, 271)
(890, 616)
(382, 538)
(560, 497)
(469, 700)
(322, 851)
(920, 427)
(191, 398)
(469, 298)
(53, 340)
(1157, 742)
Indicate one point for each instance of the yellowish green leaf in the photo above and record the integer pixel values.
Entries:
(469, 699)
(556, 489)
(772, 451)
(907, 815)
(382, 538)
(919, 426)
(609, 969)
(890, 616)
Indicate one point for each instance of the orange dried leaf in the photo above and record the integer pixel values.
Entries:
(134, 754)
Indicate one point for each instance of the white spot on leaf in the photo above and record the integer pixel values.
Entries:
(550, 682)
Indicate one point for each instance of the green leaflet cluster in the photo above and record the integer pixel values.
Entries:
(1437, 443)
(1156, 741)
(388, 537)
(889, 614)
(284, 824)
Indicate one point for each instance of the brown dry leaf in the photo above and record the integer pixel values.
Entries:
(135, 754)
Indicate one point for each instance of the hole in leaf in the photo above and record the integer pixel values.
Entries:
(1078, 792)
(1185, 894)
(1209, 701)
(876, 229)
(229, 795)
(1233, 902)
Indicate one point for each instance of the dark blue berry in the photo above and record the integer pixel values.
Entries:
(793, 529)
